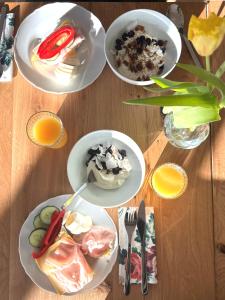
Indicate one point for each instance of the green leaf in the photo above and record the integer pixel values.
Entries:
(164, 83)
(200, 89)
(204, 75)
(206, 100)
(194, 116)
(183, 87)
(221, 70)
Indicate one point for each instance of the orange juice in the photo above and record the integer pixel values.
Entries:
(169, 181)
(46, 129)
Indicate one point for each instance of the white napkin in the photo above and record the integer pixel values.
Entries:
(136, 248)
(6, 48)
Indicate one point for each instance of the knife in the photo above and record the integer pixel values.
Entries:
(175, 14)
(141, 225)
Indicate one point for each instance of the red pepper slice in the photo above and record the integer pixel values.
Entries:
(52, 233)
(48, 47)
(41, 252)
(55, 224)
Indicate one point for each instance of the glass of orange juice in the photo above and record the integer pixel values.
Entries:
(46, 129)
(169, 181)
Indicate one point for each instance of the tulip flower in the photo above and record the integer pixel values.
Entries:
(206, 34)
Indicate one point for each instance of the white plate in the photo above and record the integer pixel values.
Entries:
(77, 171)
(42, 22)
(156, 25)
(102, 266)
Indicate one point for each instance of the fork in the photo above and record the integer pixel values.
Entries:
(130, 221)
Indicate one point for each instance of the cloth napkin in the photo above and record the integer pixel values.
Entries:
(6, 48)
(136, 249)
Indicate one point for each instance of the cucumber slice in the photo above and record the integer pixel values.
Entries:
(46, 214)
(36, 237)
(38, 223)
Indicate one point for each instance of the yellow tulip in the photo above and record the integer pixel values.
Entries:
(206, 34)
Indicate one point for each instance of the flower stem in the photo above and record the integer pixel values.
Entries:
(207, 65)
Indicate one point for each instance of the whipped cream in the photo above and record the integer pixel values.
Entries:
(110, 166)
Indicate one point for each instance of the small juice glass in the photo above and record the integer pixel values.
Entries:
(46, 129)
(169, 181)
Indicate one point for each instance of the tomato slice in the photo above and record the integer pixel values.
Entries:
(49, 48)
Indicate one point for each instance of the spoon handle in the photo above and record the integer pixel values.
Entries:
(69, 201)
(191, 51)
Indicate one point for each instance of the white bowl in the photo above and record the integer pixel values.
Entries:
(101, 266)
(39, 24)
(77, 170)
(156, 25)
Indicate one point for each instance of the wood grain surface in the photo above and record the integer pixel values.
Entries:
(187, 229)
(218, 173)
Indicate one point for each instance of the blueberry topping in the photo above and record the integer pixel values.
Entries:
(148, 41)
(123, 153)
(116, 170)
(130, 33)
(160, 43)
(154, 42)
(93, 152)
(124, 36)
(142, 38)
(138, 40)
(119, 42)
(144, 44)
(118, 47)
(109, 150)
(104, 165)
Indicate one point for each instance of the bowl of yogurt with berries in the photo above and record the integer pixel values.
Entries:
(140, 44)
(117, 163)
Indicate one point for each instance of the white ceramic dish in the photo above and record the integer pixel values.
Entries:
(77, 171)
(40, 24)
(156, 25)
(102, 266)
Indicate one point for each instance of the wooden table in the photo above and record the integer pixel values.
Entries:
(188, 229)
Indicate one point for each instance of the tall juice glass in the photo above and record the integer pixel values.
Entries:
(46, 129)
(169, 181)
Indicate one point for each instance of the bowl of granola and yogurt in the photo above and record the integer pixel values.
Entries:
(140, 44)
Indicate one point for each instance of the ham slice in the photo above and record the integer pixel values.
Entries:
(65, 266)
(98, 241)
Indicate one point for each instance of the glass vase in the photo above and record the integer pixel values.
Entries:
(185, 138)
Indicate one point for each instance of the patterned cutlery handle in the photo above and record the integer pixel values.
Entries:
(126, 289)
(144, 278)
